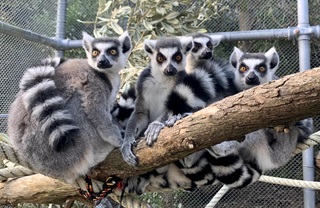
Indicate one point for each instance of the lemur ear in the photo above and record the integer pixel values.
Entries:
(149, 46)
(273, 58)
(216, 39)
(125, 42)
(187, 43)
(86, 41)
(235, 56)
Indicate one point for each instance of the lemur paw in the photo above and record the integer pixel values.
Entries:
(282, 128)
(173, 119)
(126, 151)
(152, 132)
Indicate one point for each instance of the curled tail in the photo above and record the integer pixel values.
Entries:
(45, 105)
(192, 93)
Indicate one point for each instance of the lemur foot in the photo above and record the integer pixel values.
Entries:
(152, 132)
(173, 119)
(282, 128)
(126, 151)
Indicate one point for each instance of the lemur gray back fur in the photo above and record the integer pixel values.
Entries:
(60, 121)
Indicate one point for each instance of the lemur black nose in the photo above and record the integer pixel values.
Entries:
(170, 70)
(252, 79)
(207, 55)
(104, 63)
(252, 76)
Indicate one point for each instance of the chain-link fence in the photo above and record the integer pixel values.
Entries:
(40, 16)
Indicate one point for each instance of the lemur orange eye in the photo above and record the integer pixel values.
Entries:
(178, 58)
(113, 52)
(243, 69)
(262, 69)
(95, 53)
(160, 59)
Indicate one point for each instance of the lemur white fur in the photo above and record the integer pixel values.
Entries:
(154, 84)
(60, 121)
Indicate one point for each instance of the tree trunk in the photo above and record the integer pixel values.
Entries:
(289, 99)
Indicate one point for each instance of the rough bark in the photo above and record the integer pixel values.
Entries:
(35, 189)
(291, 98)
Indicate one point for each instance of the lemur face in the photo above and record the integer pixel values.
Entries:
(168, 55)
(204, 45)
(107, 54)
(252, 69)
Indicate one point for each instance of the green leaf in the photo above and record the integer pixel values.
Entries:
(161, 10)
(155, 21)
(172, 15)
(202, 30)
(173, 21)
(85, 22)
(167, 27)
(104, 7)
(103, 19)
(147, 25)
(116, 28)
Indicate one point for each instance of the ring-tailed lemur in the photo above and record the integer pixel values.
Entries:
(191, 93)
(60, 122)
(239, 164)
(154, 84)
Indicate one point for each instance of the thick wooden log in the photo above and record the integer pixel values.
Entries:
(35, 189)
(288, 99)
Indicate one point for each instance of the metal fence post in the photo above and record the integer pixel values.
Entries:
(304, 64)
(61, 23)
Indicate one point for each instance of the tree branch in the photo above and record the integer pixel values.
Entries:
(289, 99)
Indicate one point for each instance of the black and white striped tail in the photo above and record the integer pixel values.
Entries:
(125, 106)
(232, 171)
(46, 107)
(192, 93)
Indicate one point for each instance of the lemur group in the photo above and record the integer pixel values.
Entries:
(66, 118)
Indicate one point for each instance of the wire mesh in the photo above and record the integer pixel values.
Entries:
(40, 16)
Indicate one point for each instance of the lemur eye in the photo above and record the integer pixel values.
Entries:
(197, 45)
(160, 59)
(95, 53)
(209, 45)
(243, 69)
(262, 69)
(178, 58)
(113, 52)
